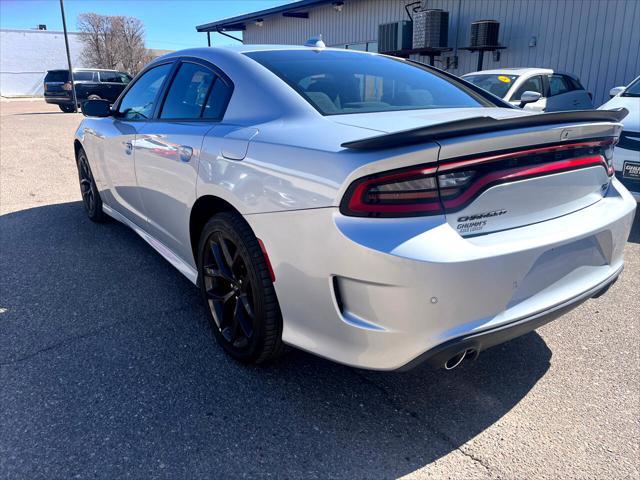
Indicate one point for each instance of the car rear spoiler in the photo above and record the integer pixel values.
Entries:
(475, 125)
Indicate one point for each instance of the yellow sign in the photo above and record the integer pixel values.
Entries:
(504, 79)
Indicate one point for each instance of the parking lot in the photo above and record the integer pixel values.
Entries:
(108, 367)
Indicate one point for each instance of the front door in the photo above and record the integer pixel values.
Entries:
(121, 140)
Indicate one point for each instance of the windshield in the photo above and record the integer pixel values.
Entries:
(499, 85)
(339, 82)
(633, 90)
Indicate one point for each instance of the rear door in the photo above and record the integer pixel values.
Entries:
(565, 95)
(86, 82)
(168, 150)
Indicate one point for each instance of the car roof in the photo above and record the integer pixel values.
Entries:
(82, 69)
(211, 52)
(514, 71)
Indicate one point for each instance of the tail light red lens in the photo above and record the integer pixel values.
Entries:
(454, 184)
(393, 194)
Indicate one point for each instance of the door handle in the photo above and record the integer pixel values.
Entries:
(186, 153)
(128, 147)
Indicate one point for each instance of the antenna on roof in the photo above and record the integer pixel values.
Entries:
(315, 42)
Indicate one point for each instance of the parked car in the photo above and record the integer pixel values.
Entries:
(626, 156)
(91, 84)
(368, 209)
(557, 91)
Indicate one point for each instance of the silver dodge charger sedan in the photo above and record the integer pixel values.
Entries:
(372, 210)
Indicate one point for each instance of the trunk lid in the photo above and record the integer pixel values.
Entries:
(521, 177)
(500, 168)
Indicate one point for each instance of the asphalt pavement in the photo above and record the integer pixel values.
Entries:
(108, 368)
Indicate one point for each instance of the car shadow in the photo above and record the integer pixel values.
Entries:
(107, 364)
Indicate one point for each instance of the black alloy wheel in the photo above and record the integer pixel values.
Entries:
(90, 196)
(229, 290)
(238, 291)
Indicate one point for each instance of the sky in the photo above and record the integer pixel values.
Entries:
(169, 24)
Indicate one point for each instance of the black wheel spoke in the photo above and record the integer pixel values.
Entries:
(244, 300)
(228, 290)
(228, 258)
(219, 258)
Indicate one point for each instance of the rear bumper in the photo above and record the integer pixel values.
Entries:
(58, 100)
(477, 342)
(385, 293)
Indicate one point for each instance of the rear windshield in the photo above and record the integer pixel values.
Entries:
(337, 82)
(499, 85)
(57, 76)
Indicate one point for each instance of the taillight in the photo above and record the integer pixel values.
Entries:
(400, 193)
(456, 183)
(66, 86)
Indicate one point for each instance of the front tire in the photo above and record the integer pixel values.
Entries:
(237, 289)
(88, 189)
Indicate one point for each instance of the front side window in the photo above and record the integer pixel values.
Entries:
(633, 90)
(188, 92)
(339, 82)
(140, 101)
(533, 84)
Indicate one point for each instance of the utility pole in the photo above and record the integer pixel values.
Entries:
(66, 43)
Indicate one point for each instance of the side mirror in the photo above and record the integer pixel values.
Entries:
(529, 97)
(96, 108)
(616, 91)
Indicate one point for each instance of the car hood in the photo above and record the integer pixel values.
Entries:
(632, 121)
(390, 122)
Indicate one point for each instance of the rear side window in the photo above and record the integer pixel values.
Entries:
(57, 76)
(188, 92)
(140, 101)
(339, 82)
(114, 77)
(559, 84)
(84, 76)
(533, 84)
(217, 101)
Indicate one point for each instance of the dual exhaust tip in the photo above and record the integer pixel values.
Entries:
(458, 358)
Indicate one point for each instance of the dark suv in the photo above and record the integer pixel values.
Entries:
(91, 84)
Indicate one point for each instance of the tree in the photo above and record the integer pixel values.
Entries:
(114, 42)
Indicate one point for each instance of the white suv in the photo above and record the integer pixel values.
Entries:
(558, 90)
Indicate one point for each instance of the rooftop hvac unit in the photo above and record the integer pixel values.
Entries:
(484, 33)
(430, 29)
(393, 37)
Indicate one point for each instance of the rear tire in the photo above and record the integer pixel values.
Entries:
(88, 189)
(94, 97)
(66, 108)
(237, 290)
